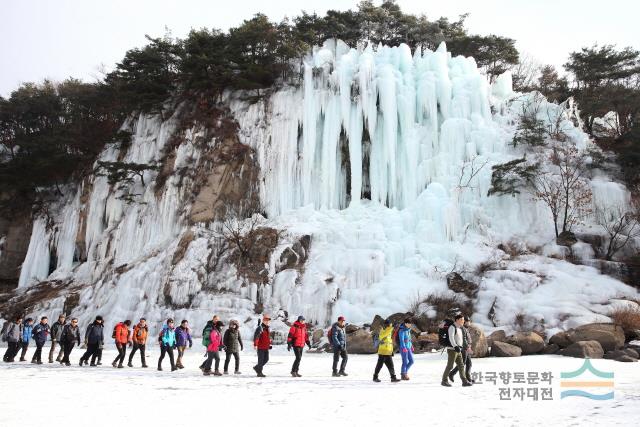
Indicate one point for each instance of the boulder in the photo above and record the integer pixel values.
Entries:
(503, 349)
(584, 349)
(610, 336)
(551, 349)
(496, 336)
(561, 339)
(479, 345)
(617, 354)
(458, 284)
(426, 342)
(566, 238)
(425, 323)
(529, 342)
(349, 329)
(625, 358)
(398, 318)
(360, 342)
(376, 325)
(317, 335)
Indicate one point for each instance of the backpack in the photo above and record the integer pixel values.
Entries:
(206, 334)
(375, 336)
(395, 337)
(443, 332)
(330, 335)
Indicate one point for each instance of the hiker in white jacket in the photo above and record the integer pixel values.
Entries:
(454, 352)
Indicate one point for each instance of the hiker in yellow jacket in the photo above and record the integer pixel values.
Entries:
(385, 352)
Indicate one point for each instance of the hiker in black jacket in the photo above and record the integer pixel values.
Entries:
(94, 339)
(56, 334)
(40, 334)
(233, 346)
(69, 337)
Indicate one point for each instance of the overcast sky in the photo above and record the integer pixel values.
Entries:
(60, 38)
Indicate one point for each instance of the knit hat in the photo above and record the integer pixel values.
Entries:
(301, 319)
(99, 318)
(387, 322)
(341, 318)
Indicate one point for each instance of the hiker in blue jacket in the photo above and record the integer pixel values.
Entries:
(40, 334)
(27, 332)
(339, 345)
(406, 348)
(167, 341)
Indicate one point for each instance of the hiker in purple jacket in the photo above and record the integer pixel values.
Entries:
(183, 337)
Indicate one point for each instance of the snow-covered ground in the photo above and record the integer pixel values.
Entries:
(54, 395)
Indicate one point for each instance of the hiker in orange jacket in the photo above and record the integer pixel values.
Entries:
(122, 335)
(139, 338)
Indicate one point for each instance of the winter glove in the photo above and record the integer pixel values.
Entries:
(404, 350)
(457, 349)
(270, 347)
(309, 345)
(288, 347)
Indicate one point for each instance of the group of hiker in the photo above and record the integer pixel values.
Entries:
(453, 335)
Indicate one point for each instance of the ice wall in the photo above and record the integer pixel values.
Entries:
(382, 155)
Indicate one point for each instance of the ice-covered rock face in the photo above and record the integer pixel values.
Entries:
(384, 158)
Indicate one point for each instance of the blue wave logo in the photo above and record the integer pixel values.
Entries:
(571, 381)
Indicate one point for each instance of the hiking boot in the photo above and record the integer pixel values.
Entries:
(226, 372)
(255, 368)
(23, 359)
(92, 365)
(130, 365)
(376, 379)
(335, 374)
(67, 364)
(175, 368)
(451, 378)
(261, 375)
(445, 383)
(120, 366)
(81, 362)
(206, 373)
(114, 364)
(237, 373)
(394, 379)
(404, 377)
(343, 374)
(217, 373)
(145, 366)
(159, 368)
(51, 360)
(99, 363)
(466, 384)
(39, 362)
(293, 374)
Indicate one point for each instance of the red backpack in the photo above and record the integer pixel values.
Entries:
(330, 335)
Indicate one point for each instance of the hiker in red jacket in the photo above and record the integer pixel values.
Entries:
(297, 338)
(213, 350)
(122, 335)
(262, 343)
